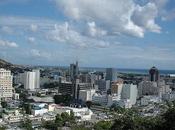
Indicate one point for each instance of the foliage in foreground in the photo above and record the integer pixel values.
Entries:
(130, 120)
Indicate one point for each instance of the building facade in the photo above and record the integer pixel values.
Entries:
(154, 74)
(111, 74)
(32, 80)
(6, 80)
(129, 91)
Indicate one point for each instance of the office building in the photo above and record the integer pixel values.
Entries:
(74, 70)
(129, 92)
(101, 99)
(65, 88)
(154, 74)
(101, 85)
(111, 74)
(37, 78)
(81, 86)
(6, 84)
(116, 87)
(86, 95)
(32, 80)
(147, 88)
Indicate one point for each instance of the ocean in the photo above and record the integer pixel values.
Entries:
(125, 70)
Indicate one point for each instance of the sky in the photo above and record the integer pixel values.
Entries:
(98, 33)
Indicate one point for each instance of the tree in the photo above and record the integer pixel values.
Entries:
(103, 125)
(23, 96)
(65, 99)
(27, 124)
(28, 108)
(131, 121)
(65, 117)
(168, 117)
(89, 104)
(80, 127)
(72, 117)
(117, 109)
(4, 104)
(59, 120)
(51, 125)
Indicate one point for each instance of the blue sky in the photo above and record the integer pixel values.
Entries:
(97, 33)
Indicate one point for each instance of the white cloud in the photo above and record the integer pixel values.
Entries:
(33, 27)
(159, 3)
(7, 29)
(39, 54)
(114, 16)
(145, 17)
(65, 34)
(31, 39)
(27, 23)
(93, 31)
(8, 44)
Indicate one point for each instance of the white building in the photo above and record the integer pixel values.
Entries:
(100, 99)
(163, 88)
(12, 116)
(129, 91)
(39, 109)
(146, 100)
(32, 80)
(37, 78)
(6, 84)
(112, 99)
(169, 96)
(86, 95)
(124, 103)
(83, 114)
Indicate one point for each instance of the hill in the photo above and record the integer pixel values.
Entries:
(7, 65)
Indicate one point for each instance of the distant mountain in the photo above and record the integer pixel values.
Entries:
(7, 65)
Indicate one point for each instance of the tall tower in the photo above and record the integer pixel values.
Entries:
(37, 78)
(74, 71)
(29, 80)
(154, 74)
(5, 84)
(32, 80)
(111, 74)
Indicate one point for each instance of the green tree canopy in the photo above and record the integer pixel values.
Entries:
(103, 125)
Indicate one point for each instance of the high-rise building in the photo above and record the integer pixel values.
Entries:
(86, 95)
(32, 80)
(74, 71)
(101, 85)
(147, 88)
(116, 87)
(154, 74)
(65, 88)
(37, 78)
(111, 74)
(129, 92)
(6, 80)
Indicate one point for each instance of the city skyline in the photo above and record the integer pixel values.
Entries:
(119, 34)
